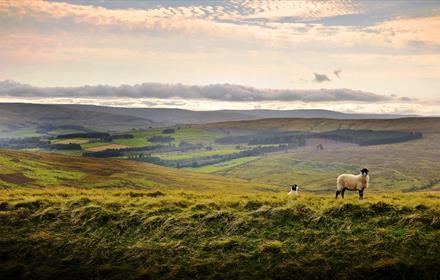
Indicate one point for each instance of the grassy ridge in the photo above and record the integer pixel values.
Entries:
(74, 233)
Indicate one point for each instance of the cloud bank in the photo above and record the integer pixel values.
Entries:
(219, 92)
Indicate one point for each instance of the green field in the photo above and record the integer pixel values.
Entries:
(19, 133)
(192, 135)
(206, 137)
(223, 166)
(217, 150)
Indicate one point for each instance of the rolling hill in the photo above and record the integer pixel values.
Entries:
(410, 166)
(16, 117)
(38, 169)
(420, 124)
(172, 115)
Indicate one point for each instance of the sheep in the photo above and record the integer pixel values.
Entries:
(352, 183)
(294, 189)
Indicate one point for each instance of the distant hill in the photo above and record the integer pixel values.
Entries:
(15, 116)
(313, 113)
(22, 115)
(171, 115)
(419, 124)
(168, 115)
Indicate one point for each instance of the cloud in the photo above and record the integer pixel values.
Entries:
(277, 23)
(337, 73)
(418, 32)
(320, 78)
(219, 92)
(304, 9)
(238, 11)
(407, 99)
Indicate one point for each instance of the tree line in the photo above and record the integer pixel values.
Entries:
(360, 137)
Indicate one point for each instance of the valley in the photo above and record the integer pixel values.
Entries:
(210, 199)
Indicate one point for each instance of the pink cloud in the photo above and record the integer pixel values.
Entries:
(198, 21)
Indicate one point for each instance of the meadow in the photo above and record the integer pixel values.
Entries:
(73, 233)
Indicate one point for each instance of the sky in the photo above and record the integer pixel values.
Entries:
(349, 56)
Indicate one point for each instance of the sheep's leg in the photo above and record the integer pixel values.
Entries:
(342, 192)
(361, 194)
(337, 194)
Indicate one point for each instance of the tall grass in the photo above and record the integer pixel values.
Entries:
(73, 233)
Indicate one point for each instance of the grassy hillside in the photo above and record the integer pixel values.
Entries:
(73, 217)
(38, 169)
(410, 166)
(137, 234)
(425, 125)
(19, 119)
(407, 166)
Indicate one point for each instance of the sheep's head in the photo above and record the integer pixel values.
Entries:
(364, 172)
(294, 187)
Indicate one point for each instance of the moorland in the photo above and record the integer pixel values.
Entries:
(109, 197)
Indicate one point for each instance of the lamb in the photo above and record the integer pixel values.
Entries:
(352, 183)
(294, 189)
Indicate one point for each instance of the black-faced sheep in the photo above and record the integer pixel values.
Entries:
(352, 183)
(294, 189)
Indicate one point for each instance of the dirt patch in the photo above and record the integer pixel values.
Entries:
(107, 147)
(16, 178)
